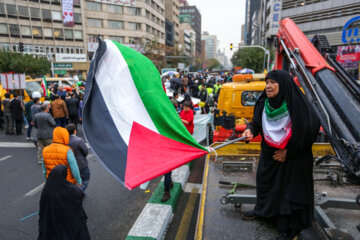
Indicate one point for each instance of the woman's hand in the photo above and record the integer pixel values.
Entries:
(185, 122)
(280, 155)
(248, 134)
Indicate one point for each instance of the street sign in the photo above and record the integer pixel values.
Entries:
(63, 65)
(181, 66)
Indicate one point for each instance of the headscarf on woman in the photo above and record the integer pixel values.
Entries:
(285, 189)
(61, 214)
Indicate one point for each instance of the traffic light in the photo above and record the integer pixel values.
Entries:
(231, 46)
(21, 47)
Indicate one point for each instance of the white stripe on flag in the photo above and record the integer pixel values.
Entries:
(120, 94)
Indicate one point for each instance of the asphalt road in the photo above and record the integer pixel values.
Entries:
(111, 208)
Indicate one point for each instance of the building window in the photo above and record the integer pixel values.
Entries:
(49, 49)
(3, 29)
(36, 31)
(5, 47)
(92, 22)
(46, 15)
(2, 9)
(93, 38)
(68, 34)
(59, 49)
(11, 10)
(56, 2)
(25, 31)
(148, 28)
(133, 26)
(69, 50)
(147, 14)
(77, 18)
(56, 15)
(115, 24)
(134, 11)
(117, 38)
(93, 6)
(113, 8)
(35, 12)
(58, 33)
(28, 48)
(14, 30)
(48, 32)
(78, 34)
(23, 11)
(133, 40)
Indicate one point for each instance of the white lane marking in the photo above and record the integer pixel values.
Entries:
(35, 190)
(190, 186)
(16, 145)
(6, 157)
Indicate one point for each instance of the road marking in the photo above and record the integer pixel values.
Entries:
(185, 221)
(190, 186)
(17, 145)
(24, 218)
(35, 190)
(6, 157)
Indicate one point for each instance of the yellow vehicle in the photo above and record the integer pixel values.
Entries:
(236, 105)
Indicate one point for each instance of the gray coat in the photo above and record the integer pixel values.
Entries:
(80, 150)
(44, 124)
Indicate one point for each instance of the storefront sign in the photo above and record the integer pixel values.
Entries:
(63, 66)
(60, 72)
(68, 12)
(351, 34)
(64, 57)
(129, 3)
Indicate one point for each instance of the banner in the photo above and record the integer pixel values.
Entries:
(200, 123)
(348, 56)
(68, 13)
(7, 81)
(65, 57)
(19, 80)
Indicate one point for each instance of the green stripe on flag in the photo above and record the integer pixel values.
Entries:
(148, 84)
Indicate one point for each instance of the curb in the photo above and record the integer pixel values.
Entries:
(156, 216)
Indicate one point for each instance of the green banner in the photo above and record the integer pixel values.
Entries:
(63, 65)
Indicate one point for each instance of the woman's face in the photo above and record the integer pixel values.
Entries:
(272, 88)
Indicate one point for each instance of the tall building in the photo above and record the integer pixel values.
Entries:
(169, 33)
(191, 15)
(223, 59)
(172, 15)
(38, 24)
(187, 38)
(337, 20)
(183, 3)
(254, 22)
(210, 45)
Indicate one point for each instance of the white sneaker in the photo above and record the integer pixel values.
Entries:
(28, 139)
(26, 126)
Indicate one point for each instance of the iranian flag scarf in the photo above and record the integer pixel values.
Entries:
(276, 124)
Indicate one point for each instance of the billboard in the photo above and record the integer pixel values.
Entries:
(68, 12)
(350, 34)
(348, 56)
(274, 16)
(128, 3)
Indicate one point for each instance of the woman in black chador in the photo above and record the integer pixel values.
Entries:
(284, 182)
(62, 216)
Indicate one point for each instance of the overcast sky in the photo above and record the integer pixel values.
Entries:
(223, 19)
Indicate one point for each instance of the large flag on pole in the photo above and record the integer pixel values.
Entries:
(44, 86)
(129, 121)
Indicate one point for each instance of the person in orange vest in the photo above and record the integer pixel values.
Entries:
(59, 153)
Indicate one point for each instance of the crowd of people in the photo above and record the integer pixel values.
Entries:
(61, 153)
(205, 87)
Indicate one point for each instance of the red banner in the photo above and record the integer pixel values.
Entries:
(348, 53)
(68, 13)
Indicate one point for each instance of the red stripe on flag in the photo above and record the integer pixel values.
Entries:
(151, 155)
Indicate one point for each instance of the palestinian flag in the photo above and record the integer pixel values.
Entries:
(276, 124)
(129, 121)
(44, 86)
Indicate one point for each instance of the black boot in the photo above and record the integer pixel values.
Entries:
(250, 215)
(165, 197)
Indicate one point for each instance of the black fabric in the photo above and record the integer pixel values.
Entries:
(61, 214)
(276, 101)
(72, 105)
(286, 189)
(16, 109)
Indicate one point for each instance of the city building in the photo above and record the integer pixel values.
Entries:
(187, 38)
(169, 33)
(172, 15)
(39, 25)
(210, 45)
(337, 20)
(191, 15)
(223, 59)
(183, 3)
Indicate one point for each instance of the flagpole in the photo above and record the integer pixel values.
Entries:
(229, 142)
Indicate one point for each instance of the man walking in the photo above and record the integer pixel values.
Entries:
(44, 123)
(59, 153)
(80, 150)
(60, 111)
(72, 105)
(9, 122)
(17, 113)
